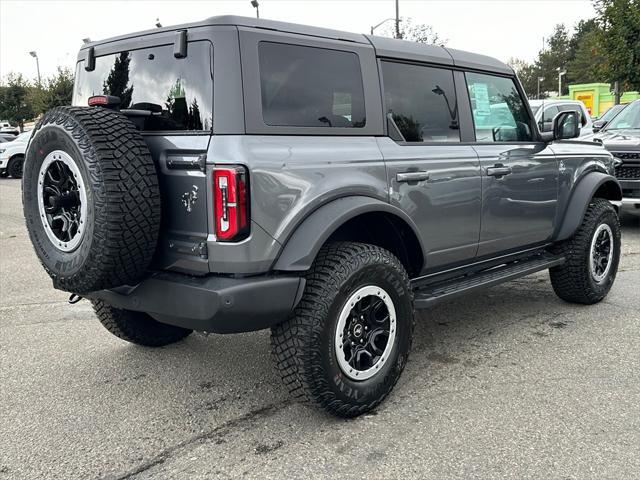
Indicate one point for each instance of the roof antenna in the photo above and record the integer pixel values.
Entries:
(158, 24)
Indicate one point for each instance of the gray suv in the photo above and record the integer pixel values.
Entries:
(239, 174)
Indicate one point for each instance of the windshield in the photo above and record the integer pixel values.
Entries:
(535, 108)
(628, 119)
(612, 112)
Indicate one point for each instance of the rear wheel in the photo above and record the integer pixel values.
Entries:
(349, 339)
(137, 327)
(592, 256)
(15, 166)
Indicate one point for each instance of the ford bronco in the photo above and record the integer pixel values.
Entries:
(239, 174)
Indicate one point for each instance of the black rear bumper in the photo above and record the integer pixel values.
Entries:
(213, 303)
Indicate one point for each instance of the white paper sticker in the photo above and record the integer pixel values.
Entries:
(481, 96)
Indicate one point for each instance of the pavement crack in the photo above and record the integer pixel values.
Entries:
(219, 431)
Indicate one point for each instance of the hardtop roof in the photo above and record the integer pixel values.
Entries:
(385, 47)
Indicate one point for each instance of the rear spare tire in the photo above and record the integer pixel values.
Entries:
(91, 199)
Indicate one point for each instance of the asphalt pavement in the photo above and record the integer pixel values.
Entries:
(510, 382)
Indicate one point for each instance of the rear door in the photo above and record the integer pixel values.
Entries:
(432, 176)
(519, 172)
(169, 98)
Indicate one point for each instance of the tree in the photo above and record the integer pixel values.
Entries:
(117, 83)
(555, 57)
(59, 89)
(415, 32)
(528, 74)
(14, 105)
(585, 54)
(619, 36)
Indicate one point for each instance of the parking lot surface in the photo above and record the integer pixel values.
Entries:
(508, 383)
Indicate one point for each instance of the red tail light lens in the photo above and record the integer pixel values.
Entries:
(230, 203)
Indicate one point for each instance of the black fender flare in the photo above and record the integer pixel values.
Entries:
(582, 194)
(303, 245)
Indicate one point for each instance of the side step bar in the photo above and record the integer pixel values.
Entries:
(427, 296)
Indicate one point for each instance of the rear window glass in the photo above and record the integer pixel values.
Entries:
(178, 90)
(310, 87)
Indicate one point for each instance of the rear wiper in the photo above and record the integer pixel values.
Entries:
(142, 109)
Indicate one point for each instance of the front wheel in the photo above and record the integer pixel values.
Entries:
(349, 339)
(15, 166)
(592, 256)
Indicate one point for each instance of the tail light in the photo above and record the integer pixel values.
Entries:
(230, 203)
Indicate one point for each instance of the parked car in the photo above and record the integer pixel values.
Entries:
(546, 110)
(12, 155)
(6, 127)
(7, 137)
(325, 185)
(606, 117)
(621, 136)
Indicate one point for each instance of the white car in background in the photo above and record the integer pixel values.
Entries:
(12, 156)
(545, 110)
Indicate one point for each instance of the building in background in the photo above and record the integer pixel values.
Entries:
(597, 97)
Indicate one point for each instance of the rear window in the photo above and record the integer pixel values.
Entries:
(310, 87)
(180, 90)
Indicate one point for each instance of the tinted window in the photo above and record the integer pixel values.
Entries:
(499, 114)
(180, 90)
(572, 107)
(422, 101)
(548, 115)
(310, 87)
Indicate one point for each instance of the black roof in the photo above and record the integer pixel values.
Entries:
(385, 47)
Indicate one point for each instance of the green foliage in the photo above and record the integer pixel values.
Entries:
(619, 36)
(14, 104)
(59, 90)
(21, 100)
(414, 32)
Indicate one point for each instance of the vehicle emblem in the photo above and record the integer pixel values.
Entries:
(562, 168)
(189, 198)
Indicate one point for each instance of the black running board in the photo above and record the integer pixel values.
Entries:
(427, 296)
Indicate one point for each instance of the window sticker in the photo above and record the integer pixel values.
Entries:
(481, 96)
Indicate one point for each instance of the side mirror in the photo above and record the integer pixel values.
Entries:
(599, 125)
(566, 125)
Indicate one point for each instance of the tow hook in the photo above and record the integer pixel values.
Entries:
(74, 298)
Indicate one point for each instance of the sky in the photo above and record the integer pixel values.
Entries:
(55, 28)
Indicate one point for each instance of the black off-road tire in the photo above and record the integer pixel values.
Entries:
(137, 327)
(123, 198)
(15, 166)
(303, 346)
(573, 280)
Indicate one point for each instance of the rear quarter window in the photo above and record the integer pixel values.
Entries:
(180, 89)
(304, 86)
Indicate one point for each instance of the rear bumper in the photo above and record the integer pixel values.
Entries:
(212, 304)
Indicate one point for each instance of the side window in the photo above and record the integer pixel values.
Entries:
(546, 121)
(573, 108)
(499, 113)
(177, 91)
(422, 102)
(310, 87)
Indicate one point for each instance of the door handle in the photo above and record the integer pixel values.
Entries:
(412, 176)
(498, 171)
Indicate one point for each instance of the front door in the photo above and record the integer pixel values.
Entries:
(431, 175)
(519, 173)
